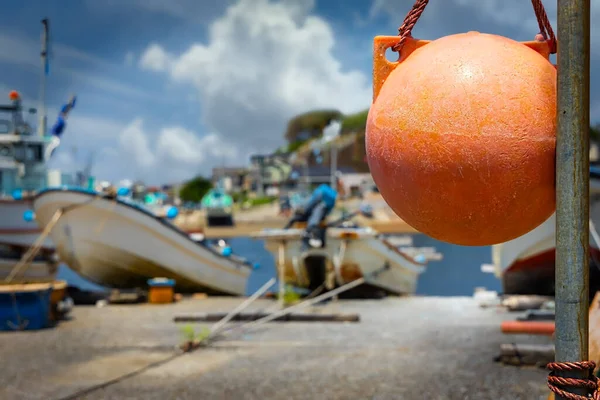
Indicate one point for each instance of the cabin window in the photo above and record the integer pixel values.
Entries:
(8, 181)
(5, 151)
(5, 126)
(36, 153)
(28, 153)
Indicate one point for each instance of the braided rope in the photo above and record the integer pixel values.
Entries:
(544, 24)
(559, 385)
(405, 30)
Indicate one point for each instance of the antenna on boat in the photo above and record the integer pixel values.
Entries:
(45, 72)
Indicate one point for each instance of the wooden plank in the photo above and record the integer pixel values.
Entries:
(300, 317)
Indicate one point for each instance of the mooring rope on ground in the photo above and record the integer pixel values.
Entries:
(83, 392)
(220, 324)
(306, 303)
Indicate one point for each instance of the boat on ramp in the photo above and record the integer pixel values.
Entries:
(115, 242)
(348, 253)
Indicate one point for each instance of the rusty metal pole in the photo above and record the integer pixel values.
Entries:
(572, 184)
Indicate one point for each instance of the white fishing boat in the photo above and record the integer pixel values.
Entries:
(349, 253)
(120, 244)
(526, 264)
(22, 166)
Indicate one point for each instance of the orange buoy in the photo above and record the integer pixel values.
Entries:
(461, 137)
(13, 95)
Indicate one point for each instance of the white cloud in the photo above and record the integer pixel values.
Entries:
(172, 153)
(155, 58)
(85, 133)
(263, 63)
(180, 145)
(81, 128)
(134, 141)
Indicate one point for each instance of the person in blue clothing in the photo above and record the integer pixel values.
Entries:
(316, 209)
(59, 127)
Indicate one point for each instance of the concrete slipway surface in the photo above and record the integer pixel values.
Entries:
(403, 348)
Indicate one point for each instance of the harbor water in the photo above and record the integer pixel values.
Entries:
(458, 273)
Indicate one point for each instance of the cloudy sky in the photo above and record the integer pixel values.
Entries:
(168, 89)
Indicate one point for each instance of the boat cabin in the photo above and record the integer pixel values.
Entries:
(22, 165)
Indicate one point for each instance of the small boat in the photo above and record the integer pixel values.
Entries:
(219, 208)
(120, 244)
(348, 253)
(526, 264)
(25, 306)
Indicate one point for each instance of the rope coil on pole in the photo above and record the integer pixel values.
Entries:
(559, 385)
(405, 30)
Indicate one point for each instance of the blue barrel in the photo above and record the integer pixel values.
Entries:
(25, 307)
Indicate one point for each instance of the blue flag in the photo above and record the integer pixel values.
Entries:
(61, 123)
(69, 106)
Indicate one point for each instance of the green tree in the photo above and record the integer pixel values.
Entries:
(195, 189)
(312, 122)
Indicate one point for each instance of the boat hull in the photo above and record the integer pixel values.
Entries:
(35, 272)
(526, 264)
(119, 245)
(14, 230)
(363, 255)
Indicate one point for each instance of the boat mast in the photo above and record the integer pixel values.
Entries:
(45, 71)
